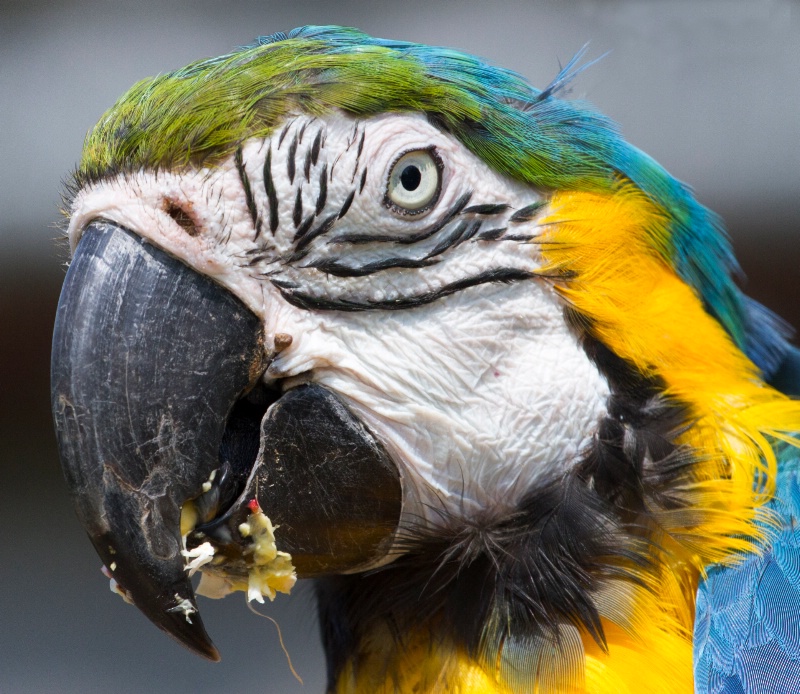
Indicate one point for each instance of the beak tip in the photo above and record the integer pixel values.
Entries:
(208, 651)
(213, 655)
(191, 635)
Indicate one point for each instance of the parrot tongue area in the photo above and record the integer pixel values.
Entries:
(238, 452)
(316, 475)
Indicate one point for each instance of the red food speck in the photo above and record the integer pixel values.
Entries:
(253, 506)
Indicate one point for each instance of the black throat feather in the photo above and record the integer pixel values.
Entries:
(521, 579)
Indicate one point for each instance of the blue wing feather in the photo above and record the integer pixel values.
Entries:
(747, 628)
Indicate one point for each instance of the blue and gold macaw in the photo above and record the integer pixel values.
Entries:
(389, 317)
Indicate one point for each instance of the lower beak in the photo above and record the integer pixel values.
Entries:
(151, 369)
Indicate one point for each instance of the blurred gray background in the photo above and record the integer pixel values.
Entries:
(710, 89)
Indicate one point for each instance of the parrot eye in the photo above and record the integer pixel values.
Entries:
(415, 181)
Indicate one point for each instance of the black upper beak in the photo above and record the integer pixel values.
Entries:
(148, 359)
(151, 365)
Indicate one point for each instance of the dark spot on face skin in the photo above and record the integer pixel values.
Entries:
(182, 217)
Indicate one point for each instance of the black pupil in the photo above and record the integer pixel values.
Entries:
(411, 177)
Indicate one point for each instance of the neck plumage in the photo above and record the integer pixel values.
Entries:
(543, 597)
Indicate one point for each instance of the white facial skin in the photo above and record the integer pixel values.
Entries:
(478, 392)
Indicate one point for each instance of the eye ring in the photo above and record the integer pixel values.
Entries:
(414, 182)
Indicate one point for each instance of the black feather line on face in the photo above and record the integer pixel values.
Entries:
(346, 205)
(284, 132)
(491, 234)
(302, 230)
(297, 213)
(307, 166)
(306, 238)
(358, 238)
(337, 269)
(358, 160)
(487, 209)
(317, 303)
(290, 163)
(528, 575)
(527, 213)
(316, 147)
(323, 189)
(248, 191)
(302, 132)
(272, 195)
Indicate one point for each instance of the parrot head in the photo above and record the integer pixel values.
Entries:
(384, 315)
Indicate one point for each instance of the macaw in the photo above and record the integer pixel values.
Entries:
(387, 316)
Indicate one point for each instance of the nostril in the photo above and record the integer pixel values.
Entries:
(182, 217)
